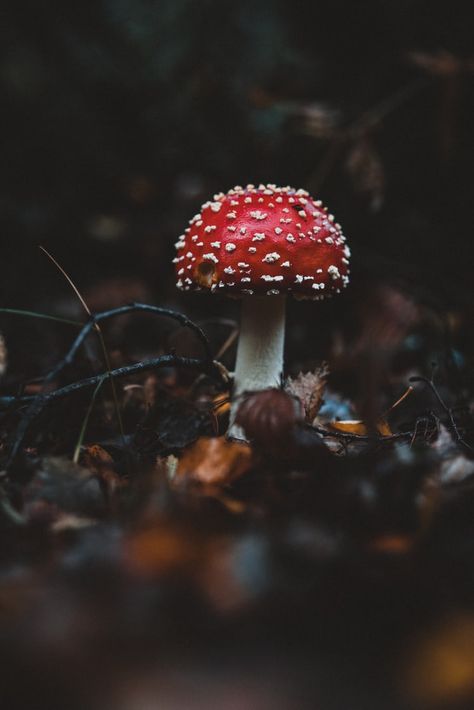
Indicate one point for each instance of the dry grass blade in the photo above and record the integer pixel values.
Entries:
(44, 316)
(99, 334)
(77, 450)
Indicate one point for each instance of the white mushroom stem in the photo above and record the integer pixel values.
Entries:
(259, 362)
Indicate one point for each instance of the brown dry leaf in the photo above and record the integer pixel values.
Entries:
(214, 460)
(309, 388)
(101, 464)
(95, 458)
(441, 667)
(358, 427)
(221, 405)
(3, 355)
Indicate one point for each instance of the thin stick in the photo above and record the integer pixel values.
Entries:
(399, 401)
(35, 402)
(121, 310)
(212, 368)
(446, 409)
(68, 279)
(227, 343)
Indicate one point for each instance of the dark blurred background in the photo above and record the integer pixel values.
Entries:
(120, 117)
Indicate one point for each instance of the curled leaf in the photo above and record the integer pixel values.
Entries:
(309, 388)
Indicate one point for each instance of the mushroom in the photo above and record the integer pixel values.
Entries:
(261, 244)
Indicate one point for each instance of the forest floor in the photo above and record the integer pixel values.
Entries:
(145, 557)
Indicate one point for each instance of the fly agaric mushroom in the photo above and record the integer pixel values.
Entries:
(260, 244)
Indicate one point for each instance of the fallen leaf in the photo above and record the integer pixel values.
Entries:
(95, 458)
(214, 460)
(221, 405)
(358, 427)
(100, 463)
(309, 388)
(61, 486)
(172, 423)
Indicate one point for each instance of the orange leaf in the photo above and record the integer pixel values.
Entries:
(214, 460)
(101, 464)
(358, 427)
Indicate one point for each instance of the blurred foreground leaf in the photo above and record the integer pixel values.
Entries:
(441, 668)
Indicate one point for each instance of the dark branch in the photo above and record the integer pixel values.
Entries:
(209, 367)
(122, 310)
(452, 426)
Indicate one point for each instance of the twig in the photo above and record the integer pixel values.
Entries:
(121, 310)
(9, 511)
(210, 367)
(345, 436)
(35, 403)
(446, 409)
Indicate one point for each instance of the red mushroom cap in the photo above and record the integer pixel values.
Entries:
(265, 240)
